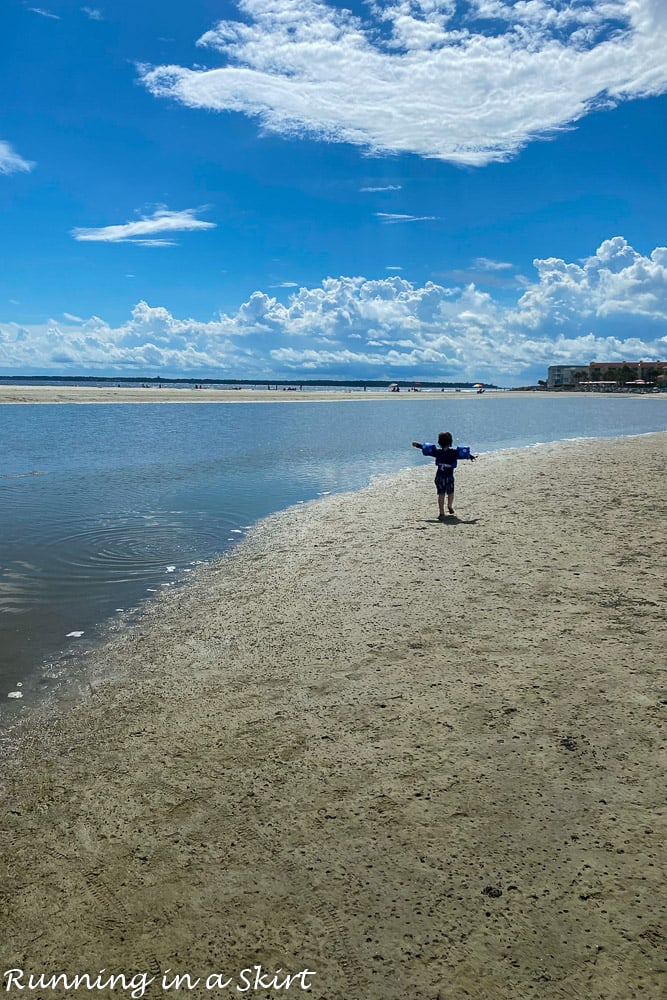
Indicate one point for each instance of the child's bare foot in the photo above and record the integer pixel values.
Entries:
(451, 510)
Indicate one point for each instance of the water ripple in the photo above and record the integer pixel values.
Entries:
(111, 549)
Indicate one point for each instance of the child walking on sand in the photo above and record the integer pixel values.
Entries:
(446, 458)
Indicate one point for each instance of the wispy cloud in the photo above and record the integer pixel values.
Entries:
(485, 264)
(44, 13)
(93, 13)
(487, 272)
(480, 276)
(393, 267)
(153, 243)
(392, 217)
(471, 92)
(286, 284)
(161, 221)
(387, 187)
(11, 162)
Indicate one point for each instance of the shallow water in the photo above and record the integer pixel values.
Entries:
(102, 505)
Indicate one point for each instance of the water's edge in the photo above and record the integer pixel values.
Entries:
(70, 677)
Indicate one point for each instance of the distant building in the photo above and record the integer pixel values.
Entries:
(627, 370)
(607, 373)
(563, 376)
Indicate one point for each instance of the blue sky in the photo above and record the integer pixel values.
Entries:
(432, 189)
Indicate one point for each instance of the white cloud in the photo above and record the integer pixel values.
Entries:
(44, 13)
(485, 264)
(409, 79)
(394, 217)
(93, 13)
(161, 221)
(11, 162)
(150, 243)
(615, 283)
(611, 306)
(387, 187)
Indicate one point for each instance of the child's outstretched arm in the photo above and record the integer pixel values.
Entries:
(426, 449)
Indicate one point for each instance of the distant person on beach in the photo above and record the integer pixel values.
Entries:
(446, 458)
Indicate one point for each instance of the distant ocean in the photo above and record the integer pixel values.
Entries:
(103, 505)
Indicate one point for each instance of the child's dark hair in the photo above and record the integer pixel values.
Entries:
(445, 439)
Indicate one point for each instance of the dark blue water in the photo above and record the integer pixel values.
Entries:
(101, 505)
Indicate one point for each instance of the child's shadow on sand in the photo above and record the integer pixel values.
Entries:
(448, 521)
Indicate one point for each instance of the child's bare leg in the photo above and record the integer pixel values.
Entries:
(441, 504)
(450, 503)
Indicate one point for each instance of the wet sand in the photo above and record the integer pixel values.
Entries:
(420, 759)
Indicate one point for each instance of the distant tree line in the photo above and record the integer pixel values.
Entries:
(305, 383)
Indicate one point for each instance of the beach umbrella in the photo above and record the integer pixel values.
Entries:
(478, 385)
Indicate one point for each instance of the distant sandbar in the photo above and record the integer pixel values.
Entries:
(153, 394)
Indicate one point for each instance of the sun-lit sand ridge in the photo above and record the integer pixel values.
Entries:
(420, 759)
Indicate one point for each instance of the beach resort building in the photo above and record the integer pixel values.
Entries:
(563, 376)
(608, 374)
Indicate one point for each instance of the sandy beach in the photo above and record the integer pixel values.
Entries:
(420, 760)
(136, 394)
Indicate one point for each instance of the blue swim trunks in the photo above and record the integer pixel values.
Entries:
(444, 481)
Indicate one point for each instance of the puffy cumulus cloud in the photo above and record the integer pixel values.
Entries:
(468, 82)
(151, 339)
(615, 283)
(11, 162)
(611, 306)
(260, 313)
(143, 230)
